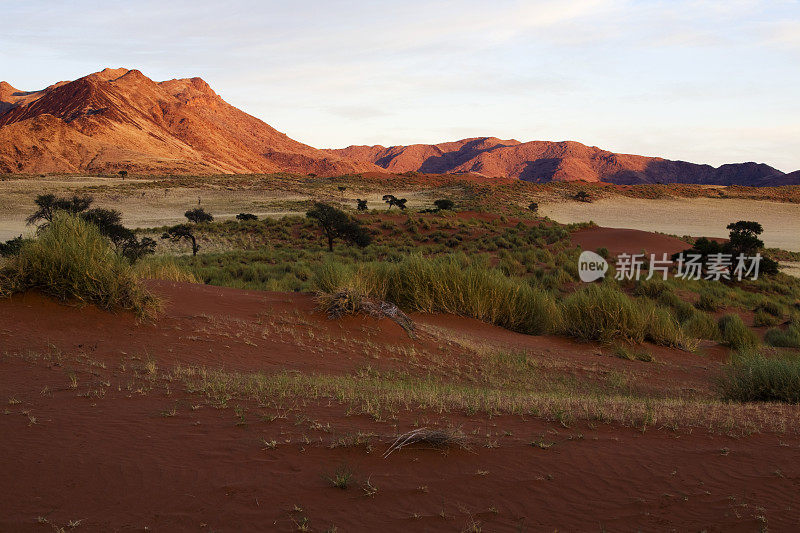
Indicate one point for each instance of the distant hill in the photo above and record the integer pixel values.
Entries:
(543, 161)
(119, 119)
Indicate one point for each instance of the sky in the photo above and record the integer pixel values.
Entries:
(703, 81)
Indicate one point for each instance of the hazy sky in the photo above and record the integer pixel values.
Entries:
(708, 82)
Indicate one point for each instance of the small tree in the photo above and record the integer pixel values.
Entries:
(180, 232)
(744, 237)
(582, 196)
(393, 200)
(444, 204)
(123, 174)
(533, 207)
(361, 204)
(198, 215)
(336, 224)
(246, 216)
(341, 188)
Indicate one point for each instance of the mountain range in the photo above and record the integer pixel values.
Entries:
(119, 119)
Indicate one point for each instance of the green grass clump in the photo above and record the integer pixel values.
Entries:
(631, 354)
(71, 261)
(604, 313)
(788, 338)
(755, 378)
(447, 284)
(163, 267)
(735, 333)
(762, 318)
(701, 326)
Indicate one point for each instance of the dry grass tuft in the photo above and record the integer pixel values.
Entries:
(429, 438)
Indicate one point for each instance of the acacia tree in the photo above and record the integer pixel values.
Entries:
(123, 174)
(393, 200)
(444, 204)
(48, 204)
(582, 196)
(180, 232)
(336, 224)
(361, 205)
(533, 206)
(198, 215)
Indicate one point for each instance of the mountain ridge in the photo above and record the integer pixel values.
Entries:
(543, 161)
(119, 119)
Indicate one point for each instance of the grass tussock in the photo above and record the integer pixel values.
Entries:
(164, 268)
(606, 314)
(446, 285)
(734, 333)
(70, 260)
(784, 338)
(753, 377)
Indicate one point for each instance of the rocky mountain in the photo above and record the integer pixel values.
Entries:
(542, 161)
(119, 119)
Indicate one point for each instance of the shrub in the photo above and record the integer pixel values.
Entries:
(12, 246)
(444, 204)
(735, 334)
(788, 338)
(243, 217)
(71, 260)
(755, 378)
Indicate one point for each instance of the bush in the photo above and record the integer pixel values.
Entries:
(735, 334)
(755, 378)
(788, 338)
(71, 260)
(244, 217)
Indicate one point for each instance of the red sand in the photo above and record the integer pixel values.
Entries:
(632, 241)
(115, 462)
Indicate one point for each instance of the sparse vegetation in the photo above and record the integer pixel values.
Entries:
(753, 377)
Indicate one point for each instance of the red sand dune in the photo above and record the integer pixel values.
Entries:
(631, 241)
(115, 461)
